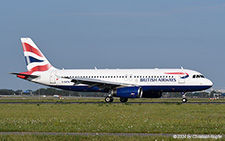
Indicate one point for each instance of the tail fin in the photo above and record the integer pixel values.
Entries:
(34, 58)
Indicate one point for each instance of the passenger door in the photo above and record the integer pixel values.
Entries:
(53, 77)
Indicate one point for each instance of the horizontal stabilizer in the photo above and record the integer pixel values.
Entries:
(25, 76)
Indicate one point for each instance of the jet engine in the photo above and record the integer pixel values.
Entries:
(128, 92)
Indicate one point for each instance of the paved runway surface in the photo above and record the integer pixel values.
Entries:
(111, 103)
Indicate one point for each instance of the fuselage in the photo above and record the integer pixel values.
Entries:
(157, 80)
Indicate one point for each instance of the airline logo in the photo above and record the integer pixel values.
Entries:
(158, 80)
(186, 75)
(35, 60)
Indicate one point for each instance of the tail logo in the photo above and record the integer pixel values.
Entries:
(35, 60)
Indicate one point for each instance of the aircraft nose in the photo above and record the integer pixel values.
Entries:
(209, 83)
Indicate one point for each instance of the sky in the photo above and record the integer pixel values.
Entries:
(83, 34)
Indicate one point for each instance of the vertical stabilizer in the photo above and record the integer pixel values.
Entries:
(34, 58)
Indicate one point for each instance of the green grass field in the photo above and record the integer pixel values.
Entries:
(113, 118)
(92, 138)
(83, 138)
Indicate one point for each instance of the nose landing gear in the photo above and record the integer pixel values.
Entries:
(184, 99)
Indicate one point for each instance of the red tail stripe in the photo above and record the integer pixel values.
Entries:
(29, 48)
(41, 68)
(37, 68)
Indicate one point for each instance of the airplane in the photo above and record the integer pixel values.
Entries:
(123, 83)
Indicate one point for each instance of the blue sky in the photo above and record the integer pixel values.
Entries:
(115, 34)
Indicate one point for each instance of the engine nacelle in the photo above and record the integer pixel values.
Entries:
(152, 94)
(128, 92)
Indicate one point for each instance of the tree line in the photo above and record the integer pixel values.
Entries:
(52, 91)
(48, 91)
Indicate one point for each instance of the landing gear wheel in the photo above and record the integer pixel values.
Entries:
(108, 99)
(123, 99)
(111, 99)
(184, 100)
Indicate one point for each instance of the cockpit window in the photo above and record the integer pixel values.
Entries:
(198, 76)
(202, 76)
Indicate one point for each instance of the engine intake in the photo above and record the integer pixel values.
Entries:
(128, 92)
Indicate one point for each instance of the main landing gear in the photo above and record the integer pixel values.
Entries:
(109, 99)
(123, 100)
(184, 99)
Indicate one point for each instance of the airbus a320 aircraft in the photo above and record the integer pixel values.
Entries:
(123, 83)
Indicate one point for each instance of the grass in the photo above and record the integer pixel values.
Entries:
(92, 138)
(129, 118)
(83, 138)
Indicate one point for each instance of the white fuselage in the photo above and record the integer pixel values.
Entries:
(163, 80)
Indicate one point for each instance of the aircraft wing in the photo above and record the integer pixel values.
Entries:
(97, 83)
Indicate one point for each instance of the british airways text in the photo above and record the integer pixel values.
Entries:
(158, 80)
